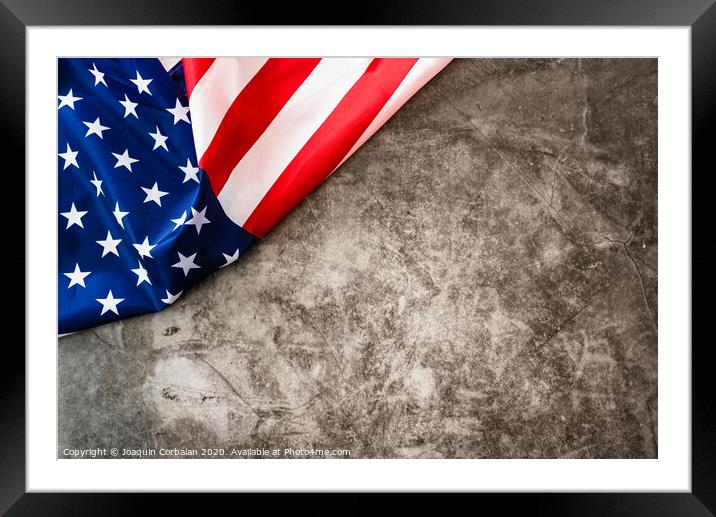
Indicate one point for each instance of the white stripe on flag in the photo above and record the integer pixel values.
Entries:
(299, 119)
(169, 62)
(214, 94)
(423, 70)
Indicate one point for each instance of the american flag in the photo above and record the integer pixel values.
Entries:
(170, 169)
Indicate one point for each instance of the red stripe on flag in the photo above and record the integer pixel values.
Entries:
(330, 143)
(251, 113)
(194, 70)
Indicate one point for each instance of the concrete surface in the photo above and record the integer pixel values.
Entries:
(479, 280)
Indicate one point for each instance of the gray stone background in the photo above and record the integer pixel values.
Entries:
(478, 281)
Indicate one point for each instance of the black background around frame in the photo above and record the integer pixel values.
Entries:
(16, 15)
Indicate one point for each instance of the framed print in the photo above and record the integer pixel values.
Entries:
(409, 251)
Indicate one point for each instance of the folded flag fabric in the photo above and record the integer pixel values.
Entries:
(170, 169)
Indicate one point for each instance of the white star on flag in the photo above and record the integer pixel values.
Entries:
(186, 263)
(159, 139)
(77, 277)
(110, 303)
(154, 194)
(69, 100)
(109, 245)
(171, 298)
(124, 160)
(198, 219)
(119, 215)
(74, 216)
(145, 249)
(95, 128)
(179, 220)
(230, 259)
(190, 172)
(70, 157)
(98, 76)
(97, 183)
(129, 107)
(141, 274)
(142, 84)
(179, 112)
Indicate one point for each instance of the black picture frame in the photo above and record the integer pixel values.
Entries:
(700, 15)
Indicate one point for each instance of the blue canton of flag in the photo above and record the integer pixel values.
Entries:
(138, 223)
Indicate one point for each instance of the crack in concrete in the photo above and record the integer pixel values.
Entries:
(561, 222)
(641, 283)
(653, 426)
(565, 322)
(226, 381)
(562, 154)
(621, 85)
(586, 111)
(625, 245)
(101, 339)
